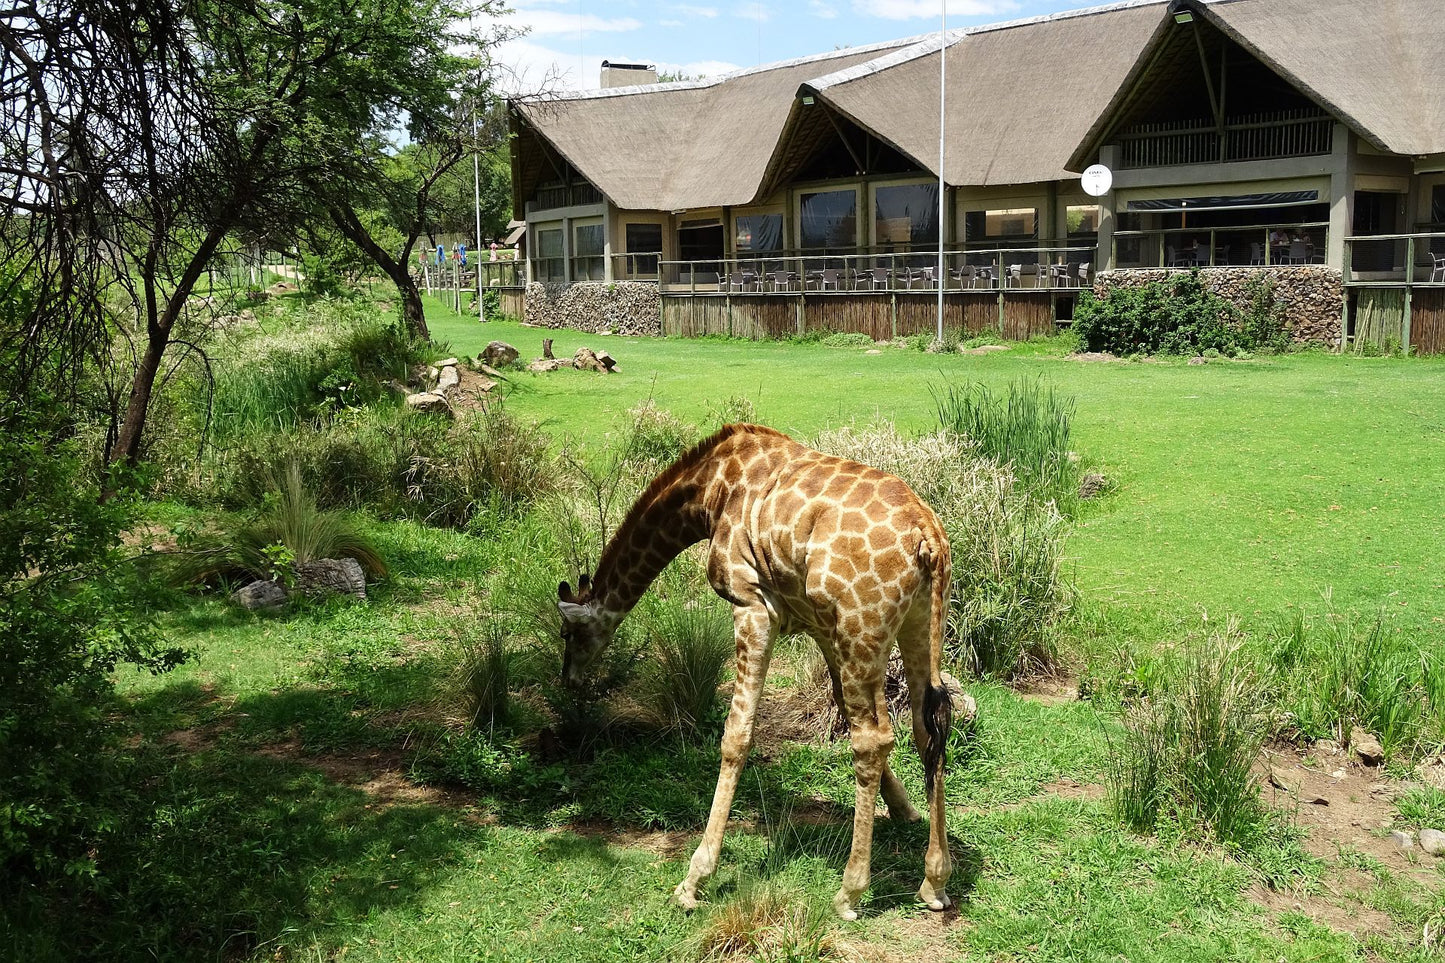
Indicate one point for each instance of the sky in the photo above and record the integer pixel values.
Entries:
(567, 40)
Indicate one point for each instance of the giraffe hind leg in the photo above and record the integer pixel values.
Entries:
(871, 734)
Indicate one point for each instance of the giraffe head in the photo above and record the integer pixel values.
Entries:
(587, 629)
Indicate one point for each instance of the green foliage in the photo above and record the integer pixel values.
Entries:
(1028, 430)
(484, 676)
(1179, 316)
(68, 618)
(1342, 671)
(689, 648)
(1187, 753)
(848, 339)
(656, 438)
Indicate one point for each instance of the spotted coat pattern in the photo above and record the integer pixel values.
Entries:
(805, 542)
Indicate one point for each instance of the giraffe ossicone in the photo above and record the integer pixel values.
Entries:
(799, 541)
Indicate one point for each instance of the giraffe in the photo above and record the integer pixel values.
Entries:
(800, 541)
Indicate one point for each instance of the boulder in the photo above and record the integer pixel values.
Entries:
(448, 379)
(325, 576)
(546, 365)
(1402, 839)
(1091, 485)
(1366, 747)
(500, 354)
(588, 360)
(429, 402)
(1432, 841)
(260, 596)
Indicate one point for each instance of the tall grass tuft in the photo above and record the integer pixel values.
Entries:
(1027, 429)
(484, 678)
(1342, 671)
(771, 924)
(1186, 756)
(689, 648)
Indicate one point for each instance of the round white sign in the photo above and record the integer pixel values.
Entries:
(1097, 180)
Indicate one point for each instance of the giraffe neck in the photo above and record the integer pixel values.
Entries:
(670, 516)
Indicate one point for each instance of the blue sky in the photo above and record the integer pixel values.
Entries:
(569, 39)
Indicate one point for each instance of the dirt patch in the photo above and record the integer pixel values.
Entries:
(474, 391)
(380, 773)
(984, 349)
(1093, 356)
(667, 843)
(1349, 915)
(1049, 690)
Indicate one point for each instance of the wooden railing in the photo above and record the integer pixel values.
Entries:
(1292, 133)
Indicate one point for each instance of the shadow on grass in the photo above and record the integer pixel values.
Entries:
(222, 852)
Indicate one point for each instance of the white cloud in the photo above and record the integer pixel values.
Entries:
(930, 9)
(544, 23)
(822, 10)
(670, 23)
(753, 11)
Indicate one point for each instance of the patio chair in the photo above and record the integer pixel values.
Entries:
(1015, 276)
(782, 280)
(966, 276)
(1256, 254)
(986, 275)
(1043, 275)
(1299, 252)
(1438, 272)
(874, 278)
(1083, 274)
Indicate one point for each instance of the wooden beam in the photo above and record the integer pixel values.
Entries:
(862, 165)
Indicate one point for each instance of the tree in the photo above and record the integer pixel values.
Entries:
(142, 134)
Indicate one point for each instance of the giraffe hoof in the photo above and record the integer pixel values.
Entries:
(844, 907)
(686, 898)
(935, 899)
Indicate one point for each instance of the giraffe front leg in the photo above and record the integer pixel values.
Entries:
(754, 638)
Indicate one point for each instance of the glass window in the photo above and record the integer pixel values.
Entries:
(547, 264)
(1083, 219)
(587, 248)
(644, 245)
(1437, 204)
(1019, 223)
(758, 232)
(829, 220)
(906, 216)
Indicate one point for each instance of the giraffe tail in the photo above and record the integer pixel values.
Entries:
(937, 706)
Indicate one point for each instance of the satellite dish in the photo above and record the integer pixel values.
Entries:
(1097, 180)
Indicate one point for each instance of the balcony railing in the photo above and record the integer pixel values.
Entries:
(1392, 260)
(1263, 246)
(1042, 267)
(1294, 133)
(564, 195)
(501, 274)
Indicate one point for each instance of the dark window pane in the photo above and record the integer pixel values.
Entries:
(830, 219)
(587, 239)
(644, 244)
(906, 215)
(759, 232)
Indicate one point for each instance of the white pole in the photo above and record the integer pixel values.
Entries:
(477, 186)
(942, 188)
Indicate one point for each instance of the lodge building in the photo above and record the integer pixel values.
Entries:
(1303, 138)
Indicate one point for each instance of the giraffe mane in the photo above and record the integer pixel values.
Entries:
(669, 476)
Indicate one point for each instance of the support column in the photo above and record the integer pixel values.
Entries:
(1342, 196)
(1104, 258)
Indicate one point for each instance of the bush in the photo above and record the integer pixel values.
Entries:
(484, 677)
(656, 438)
(1179, 316)
(1186, 754)
(66, 621)
(848, 339)
(690, 648)
(1009, 589)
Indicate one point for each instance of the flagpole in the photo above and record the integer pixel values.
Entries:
(477, 188)
(942, 188)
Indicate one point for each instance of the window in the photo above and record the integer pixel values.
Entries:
(1011, 224)
(758, 233)
(644, 246)
(588, 263)
(701, 242)
(905, 216)
(1437, 204)
(829, 220)
(1082, 220)
(548, 263)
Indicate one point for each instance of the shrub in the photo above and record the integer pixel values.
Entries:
(67, 620)
(848, 339)
(1028, 430)
(1009, 589)
(770, 923)
(690, 647)
(1186, 755)
(484, 677)
(1178, 316)
(655, 437)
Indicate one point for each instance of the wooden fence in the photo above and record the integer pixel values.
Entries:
(1394, 317)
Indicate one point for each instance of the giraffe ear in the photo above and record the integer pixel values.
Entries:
(583, 582)
(564, 592)
(572, 611)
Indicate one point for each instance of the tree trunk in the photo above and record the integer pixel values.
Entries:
(413, 313)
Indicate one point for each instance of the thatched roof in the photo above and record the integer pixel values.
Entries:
(682, 145)
(1375, 66)
(1020, 96)
(1028, 101)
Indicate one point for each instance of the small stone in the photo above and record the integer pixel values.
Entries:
(1198, 359)
(873, 351)
(1329, 746)
(545, 365)
(485, 384)
(341, 576)
(1402, 839)
(1091, 485)
(429, 403)
(448, 363)
(490, 372)
(258, 596)
(1432, 841)
(1366, 747)
(449, 379)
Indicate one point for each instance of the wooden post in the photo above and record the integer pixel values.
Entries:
(1409, 295)
(547, 347)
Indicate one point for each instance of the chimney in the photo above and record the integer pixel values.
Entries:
(627, 75)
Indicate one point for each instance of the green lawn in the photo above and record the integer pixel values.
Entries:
(1244, 488)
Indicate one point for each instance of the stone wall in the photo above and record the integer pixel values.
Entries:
(1312, 296)
(624, 307)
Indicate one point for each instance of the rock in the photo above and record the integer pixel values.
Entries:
(1432, 841)
(1402, 839)
(545, 365)
(607, 362)
(448, 379)
(1329, 747)
(429, 403)
(416, 375)
(499, 353)
(1198, 359)
(965, 709)
(490, 372)
(1091, 485)
(586, 360)
(448, 363)
(873, 351)
(341, 576)
(1366, 747)
(261, 596)
(485, 384)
